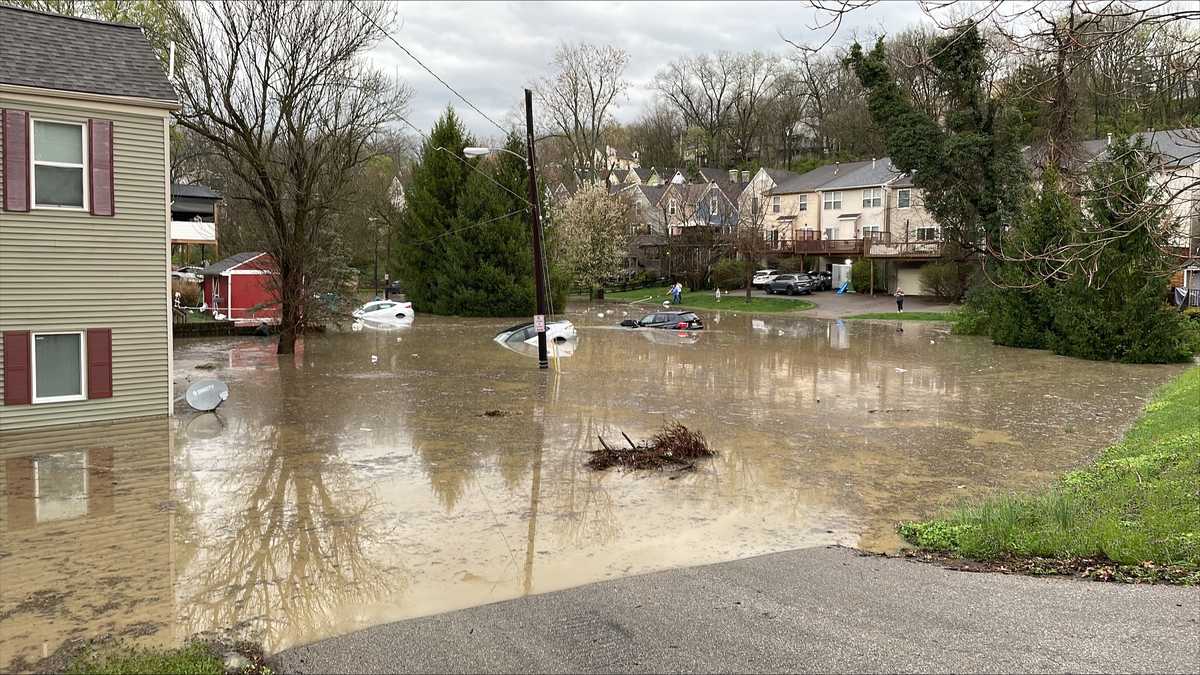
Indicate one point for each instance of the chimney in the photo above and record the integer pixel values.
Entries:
(733, 175)
(1110, 138)
(745, 176)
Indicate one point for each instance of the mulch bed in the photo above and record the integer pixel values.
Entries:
(1091, 569)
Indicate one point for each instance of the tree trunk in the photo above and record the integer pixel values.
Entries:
(291, 317)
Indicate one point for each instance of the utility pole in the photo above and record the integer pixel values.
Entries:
(539, 256)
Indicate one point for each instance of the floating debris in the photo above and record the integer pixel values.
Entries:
(675, 445)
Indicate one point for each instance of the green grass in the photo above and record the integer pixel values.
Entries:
(706, 300)
(949, 317)
(194, 659)
(1138, 503)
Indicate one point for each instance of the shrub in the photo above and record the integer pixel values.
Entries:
(946, 279)
(730, 273)
(189, 293)
(792, 265)
(860, 276)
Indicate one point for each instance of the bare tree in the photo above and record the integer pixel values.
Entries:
(578, 100)
(757, 85)
(280, 91)
(658, 135)
(704, 89)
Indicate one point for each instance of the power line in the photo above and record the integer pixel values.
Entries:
(468, 227)
(465, 162)
(428, 69)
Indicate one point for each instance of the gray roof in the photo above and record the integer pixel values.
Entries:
(779, 175)
(641, 173)
(229, 263)
(1177, 146)
(713, 174)
(51, 51)
(805, 182)
(653, 193)
(861, 174)
(192, 191)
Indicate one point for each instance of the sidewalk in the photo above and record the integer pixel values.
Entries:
(822, 609)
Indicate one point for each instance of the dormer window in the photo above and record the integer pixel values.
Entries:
(712, 205)
(671, 207)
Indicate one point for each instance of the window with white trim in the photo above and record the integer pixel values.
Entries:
(713, 206)
(903, 198)
(58, 367)
(927, 233)
(59, 155)
(803, 202)
(776, 207)
(868, 229)
(671, 207)
(833, 200)
(872, 198)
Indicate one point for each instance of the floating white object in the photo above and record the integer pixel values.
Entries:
(356, 326)
(374, 359)
(206, 395)
(901, 370)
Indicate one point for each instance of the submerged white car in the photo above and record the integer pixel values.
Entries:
(385, 310)
(556, 331)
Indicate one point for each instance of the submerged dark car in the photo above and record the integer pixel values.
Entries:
(670, 320)
(791, 284)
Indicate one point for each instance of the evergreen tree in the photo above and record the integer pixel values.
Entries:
(465, 243)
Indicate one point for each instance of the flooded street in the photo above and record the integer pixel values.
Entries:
(380, 475)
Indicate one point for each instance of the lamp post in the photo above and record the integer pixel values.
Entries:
(535, 221)
(375, 236)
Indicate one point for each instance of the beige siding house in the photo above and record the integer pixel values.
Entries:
(84, 223)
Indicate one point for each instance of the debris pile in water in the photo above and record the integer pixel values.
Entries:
(675, 445)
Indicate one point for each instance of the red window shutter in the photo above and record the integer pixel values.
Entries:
(18, 382)
(99, 363)
(100, 160)
(15, 132)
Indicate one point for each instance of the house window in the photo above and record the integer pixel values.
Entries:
(671, 207)
(58, 367)
(775, 206)
(872, 198)
(803, 202)
(831, 233)
(871, 228)
(833, 200)
(903, 198)
(712, 205)
(754, 204)
(927, 233)
(59, 154)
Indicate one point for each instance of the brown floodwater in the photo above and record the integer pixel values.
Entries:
(360, 481)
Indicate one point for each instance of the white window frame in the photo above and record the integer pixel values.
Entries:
(803, 202)
(936, 233)
(776, 204)
(714, 208)
(33, 164)
(906, 192)
(833, 200)
(671, 208)
(82, 395)
(872, 198)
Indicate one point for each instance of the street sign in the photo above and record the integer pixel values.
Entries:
(539, 323)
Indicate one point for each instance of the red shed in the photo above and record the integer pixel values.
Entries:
(240, 288)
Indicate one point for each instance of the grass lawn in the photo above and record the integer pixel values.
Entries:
(948, 317)
(194, 659)
(1138, 505)
(734, 302)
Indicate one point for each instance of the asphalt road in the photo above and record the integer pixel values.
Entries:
(807, 610)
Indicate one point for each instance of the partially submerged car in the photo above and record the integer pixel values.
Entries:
(556, 331)
(676, 320)
(763, 277)
(385, 310)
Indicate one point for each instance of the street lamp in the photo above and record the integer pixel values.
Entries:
(535, 221)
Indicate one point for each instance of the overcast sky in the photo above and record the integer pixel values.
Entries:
(491, 51)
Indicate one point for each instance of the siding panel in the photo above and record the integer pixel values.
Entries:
(73, 270)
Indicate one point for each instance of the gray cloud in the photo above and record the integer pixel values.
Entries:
(491, 51)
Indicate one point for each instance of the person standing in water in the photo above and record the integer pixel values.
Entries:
(899, 301)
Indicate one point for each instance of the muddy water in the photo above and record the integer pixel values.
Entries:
(361, 481)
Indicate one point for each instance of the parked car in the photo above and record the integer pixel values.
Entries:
(763, 277)
(385, 310)
(190, 273)
(790, 284)
(556, 331)
(824, 280)
(670, 320)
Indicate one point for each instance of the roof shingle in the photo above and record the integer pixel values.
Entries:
(51, 51)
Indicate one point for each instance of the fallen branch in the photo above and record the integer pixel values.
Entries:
(675, 445)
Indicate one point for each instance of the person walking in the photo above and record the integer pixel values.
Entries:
(677, 292)
(899, 301)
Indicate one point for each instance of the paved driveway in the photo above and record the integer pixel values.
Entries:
(824, 609)
(830, 305)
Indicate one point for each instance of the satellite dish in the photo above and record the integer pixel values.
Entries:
(206, 395)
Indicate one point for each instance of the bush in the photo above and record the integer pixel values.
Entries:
(792, 265)
(946, 279)
(860, 276)
(730, 273)
(189, 293)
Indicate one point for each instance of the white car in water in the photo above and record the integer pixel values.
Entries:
(763, 277)
(385, 310)
(556, 331)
